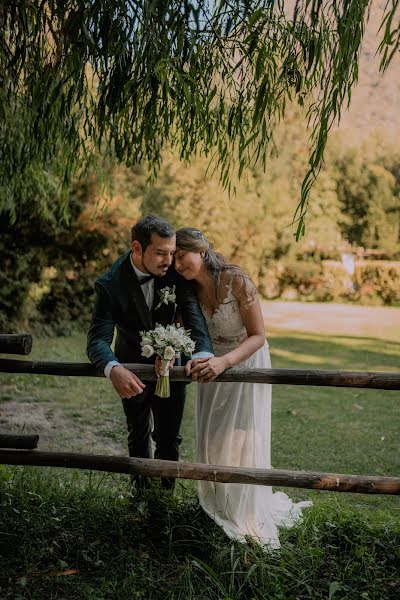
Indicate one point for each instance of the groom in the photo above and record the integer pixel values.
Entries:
(128, 299)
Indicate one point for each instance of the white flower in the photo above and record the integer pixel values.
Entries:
(169, 353)
(166, 296)
(147, 350)
(166, 341)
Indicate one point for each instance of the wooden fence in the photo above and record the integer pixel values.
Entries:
(20, 450)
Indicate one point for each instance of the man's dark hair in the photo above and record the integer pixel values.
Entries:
(149, 224)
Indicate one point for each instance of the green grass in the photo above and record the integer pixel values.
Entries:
(52, 520)
(342, 430)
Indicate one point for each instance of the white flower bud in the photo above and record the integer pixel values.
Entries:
(147, 351)
(169, 353)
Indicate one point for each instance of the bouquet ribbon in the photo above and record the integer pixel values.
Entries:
(162, 387)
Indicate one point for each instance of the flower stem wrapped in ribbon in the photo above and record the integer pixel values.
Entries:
(166, 341)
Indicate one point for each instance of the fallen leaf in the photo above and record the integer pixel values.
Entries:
(53, 573)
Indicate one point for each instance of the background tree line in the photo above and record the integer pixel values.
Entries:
(50, 262)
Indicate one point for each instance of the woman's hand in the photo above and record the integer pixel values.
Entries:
(207, 369)
(158, 365)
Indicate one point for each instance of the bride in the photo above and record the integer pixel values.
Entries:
(233, 420)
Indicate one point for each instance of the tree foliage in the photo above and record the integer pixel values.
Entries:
(370, 203)
(48, 267)
(133, 78)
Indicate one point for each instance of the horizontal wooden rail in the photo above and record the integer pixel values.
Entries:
(15, 343)
(355, 379)
(334, 482)
(21, 442)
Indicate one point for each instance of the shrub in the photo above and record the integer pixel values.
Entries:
(47, 275)
(373, 282)
(379, 279)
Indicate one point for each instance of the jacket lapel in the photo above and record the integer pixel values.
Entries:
(156, 313)
(136, 295)
(166, 312)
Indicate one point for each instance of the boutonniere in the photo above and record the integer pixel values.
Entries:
(166, 296)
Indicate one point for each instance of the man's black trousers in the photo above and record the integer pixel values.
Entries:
(150, 417)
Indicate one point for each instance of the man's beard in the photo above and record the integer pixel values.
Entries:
(156, 274)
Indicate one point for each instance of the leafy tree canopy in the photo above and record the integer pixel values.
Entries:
(210, 76)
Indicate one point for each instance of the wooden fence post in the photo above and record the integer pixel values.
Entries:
(15, 343)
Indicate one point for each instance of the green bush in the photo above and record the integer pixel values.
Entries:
(379, 280)
(294, 281)
(373, 282)
(49, 267)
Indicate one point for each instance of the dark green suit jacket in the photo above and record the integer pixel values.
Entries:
(120, 304)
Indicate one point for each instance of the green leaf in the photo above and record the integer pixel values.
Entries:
(333, 588)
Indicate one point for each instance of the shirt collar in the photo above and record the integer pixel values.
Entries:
(139, 273)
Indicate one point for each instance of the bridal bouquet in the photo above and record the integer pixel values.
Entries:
(166, 341)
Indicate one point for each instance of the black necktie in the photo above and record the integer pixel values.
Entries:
(144, 280)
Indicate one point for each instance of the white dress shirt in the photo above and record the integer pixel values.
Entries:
(147, 288)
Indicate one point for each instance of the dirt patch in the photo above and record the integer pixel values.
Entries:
(56, 432)
(30, 418)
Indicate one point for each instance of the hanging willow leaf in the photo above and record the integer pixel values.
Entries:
(134, 77)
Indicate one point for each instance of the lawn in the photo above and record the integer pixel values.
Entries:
(348, 544)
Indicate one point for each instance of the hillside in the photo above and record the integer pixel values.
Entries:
(375, 100)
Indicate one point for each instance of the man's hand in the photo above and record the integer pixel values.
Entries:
(190, 365)
(158, 365)
(126, 384)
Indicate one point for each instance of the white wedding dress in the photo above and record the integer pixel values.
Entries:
(233, 425)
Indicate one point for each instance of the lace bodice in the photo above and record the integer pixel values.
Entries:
(225, 325)
(235, 291)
